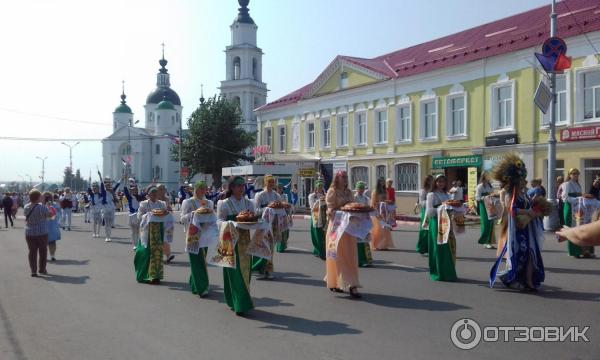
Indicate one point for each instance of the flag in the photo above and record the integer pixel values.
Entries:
(562, 63)
(175, 140)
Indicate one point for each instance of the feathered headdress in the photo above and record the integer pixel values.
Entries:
(510, 171)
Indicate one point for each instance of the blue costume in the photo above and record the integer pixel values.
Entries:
(54, 224)
(133, 201)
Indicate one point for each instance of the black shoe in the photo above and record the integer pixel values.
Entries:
(170, 258)
(34, 275)
(52, 259)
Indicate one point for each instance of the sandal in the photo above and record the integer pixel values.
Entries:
(337, 290)
(354, 293)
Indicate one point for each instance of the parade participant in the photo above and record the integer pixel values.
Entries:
(107, 192)
(524, 266)
(148, 256)
(236, 281)
(560, 180)
(51, 200)
(163, 195)
(442, 257)
(95, 208)
(199, 272)
(571, 191)
(365, 258)
(15, 205)
(67, 203)
(536, 189)
(342, 269)
(318, 219)
(7, 204)
(483, 189)
(422, 243)
(285, 234)
(391, 200)
(86, 207)
(381, 236)
(134, 198)
(503, 222)
(36, 232)
(294, 194)
(263, 266)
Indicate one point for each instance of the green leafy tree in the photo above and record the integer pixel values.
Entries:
(214, 139)
(68, 177)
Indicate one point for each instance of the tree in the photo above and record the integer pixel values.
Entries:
(68, 177)
(214, 139)
(79, 183)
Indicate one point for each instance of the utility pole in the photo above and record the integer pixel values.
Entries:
(551, 222)
(71, 159)
(43, 170)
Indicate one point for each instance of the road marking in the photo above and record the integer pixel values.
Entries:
(299, 249)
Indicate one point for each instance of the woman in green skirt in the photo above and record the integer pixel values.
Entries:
(199, 272)
(285, 235)
(571, 191)
(442, 257)
(236, 281)
(422, 243)
(484, 188)
(149, 252)
(318, 219)
(365, 257)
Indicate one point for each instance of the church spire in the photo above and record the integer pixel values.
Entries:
(243, 15)
(123, 96)
(201, 94)
(163, 78)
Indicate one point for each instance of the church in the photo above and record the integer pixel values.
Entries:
(144, 152)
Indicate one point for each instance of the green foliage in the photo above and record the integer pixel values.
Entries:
(74, 181)
(214, 139)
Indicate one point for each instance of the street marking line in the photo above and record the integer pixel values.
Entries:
(299, 249)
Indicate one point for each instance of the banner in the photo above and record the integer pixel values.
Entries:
(472, 186)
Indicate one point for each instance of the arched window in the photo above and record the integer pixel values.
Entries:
(237, 67)
(157, 149)
(343, 80)
(254, 69)
(256, 103)
(359, 173)
(238, 101)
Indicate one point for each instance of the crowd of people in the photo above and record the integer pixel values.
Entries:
(242, 228)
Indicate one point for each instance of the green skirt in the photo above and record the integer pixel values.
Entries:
(282, 246)
(148, 262)
(199, 273)
(441, 257)
(365, 257)
(236, 282)
(317, 236)
(423, 236)
(574, 250)
(487, 226)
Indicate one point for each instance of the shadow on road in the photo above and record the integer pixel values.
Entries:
(70, 262)
(300, 325)
(270, 302)
(553, 292)
(66, 279)
(572, 271)
(17, 350)
(400, 302)
(299, 279)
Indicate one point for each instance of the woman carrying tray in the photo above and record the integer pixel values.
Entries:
(261, 201)
(318, 219)
(365, 257)
(381, 238)
(484, 188)
(236, 281)
(342, 260)
(442, 255)
(189, 209)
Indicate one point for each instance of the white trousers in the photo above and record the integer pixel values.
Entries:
(66, 217)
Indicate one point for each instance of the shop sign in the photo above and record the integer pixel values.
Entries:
(472, 186)
(499, 140)
(457, 161)
(580, 133)
(307, 172)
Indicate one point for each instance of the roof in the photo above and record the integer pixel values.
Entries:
(123, 108)
(517, 32)
(163, 93)
(165, 105)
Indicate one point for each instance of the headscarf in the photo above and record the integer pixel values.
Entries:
(360, 185)
(201, 184)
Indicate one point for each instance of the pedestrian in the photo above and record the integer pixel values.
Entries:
(107, 192)
(422, 243)
(456, 191)
(318, 219)
(134, 198)
(536, 189)
(442, 256)
(36, 232)
(86, 208)
(570, 194)
(595, 188)
(148, 261)
(53, 200)
(163, 195)
(342, 268)
(236, 281)
(263, 266)
(524, 267)
(381, 234)
(484, 189)
(560, 180)
(15, 205)
(365, 257)
(67, 203)
(7, 204)
(199, 272)
(95, 208)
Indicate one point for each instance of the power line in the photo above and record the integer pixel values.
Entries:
(53, 117)
(580, 28)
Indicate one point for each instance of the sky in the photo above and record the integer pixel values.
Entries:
(62, 61)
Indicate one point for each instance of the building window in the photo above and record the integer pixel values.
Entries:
(562, 107)
(380, 172)
(254, 69)
(591, 169)
(267, 140)
(282, 139)
(296, 137)
(236, 68)
(359, 173)
(343, 80)
(429, 120)
(403, 125)
(456, 120)
(361, 128)
(310, 135)
(157, 120)
(407, 177)
(503, 107)
(158, 172)
(326, 133)
(382, 123)
(558, 171)
(157, 149)
(177, 117)
(591, 96)
(342, 130)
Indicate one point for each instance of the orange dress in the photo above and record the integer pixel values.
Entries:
(381, 237)
(342, 272)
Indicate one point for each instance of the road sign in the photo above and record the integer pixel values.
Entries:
(543, 97)
(554, 47)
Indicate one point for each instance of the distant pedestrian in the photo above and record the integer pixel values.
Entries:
(52, 200)
(67, 203)
(15, 205)
(7, 204)
(36, 232)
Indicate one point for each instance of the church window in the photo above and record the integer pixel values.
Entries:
(256, 104)
(173, 120)
(237, 101)
(254, 69)
(237, 67)
(157, 149)
(157, 172)
(343, 80)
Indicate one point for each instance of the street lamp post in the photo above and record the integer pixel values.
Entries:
(71, 159)
(43, 171)
(552, 222)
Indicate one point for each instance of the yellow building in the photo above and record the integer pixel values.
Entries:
(443, 106)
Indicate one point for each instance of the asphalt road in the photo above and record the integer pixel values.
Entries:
(90, 306)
